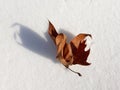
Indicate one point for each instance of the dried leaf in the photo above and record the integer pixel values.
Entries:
(70, 54)
(52, 32)
(78, 49)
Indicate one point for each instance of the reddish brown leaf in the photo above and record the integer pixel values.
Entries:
(73, 53)
(78, 49)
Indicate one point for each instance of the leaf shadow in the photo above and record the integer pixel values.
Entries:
(35, 43)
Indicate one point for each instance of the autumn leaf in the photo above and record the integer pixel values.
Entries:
(78, 49)
(70, 53)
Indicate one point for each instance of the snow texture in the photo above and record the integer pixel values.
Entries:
(27, 53)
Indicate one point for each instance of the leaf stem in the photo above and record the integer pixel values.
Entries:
(74, 71)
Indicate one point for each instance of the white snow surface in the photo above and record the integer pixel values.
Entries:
(28, 55)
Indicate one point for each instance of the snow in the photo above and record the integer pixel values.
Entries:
(27, 54)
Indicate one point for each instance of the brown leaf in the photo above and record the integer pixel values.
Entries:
(73, 53)
(52, 32)
(78, 49)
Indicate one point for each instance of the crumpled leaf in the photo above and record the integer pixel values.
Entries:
(70, 53)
